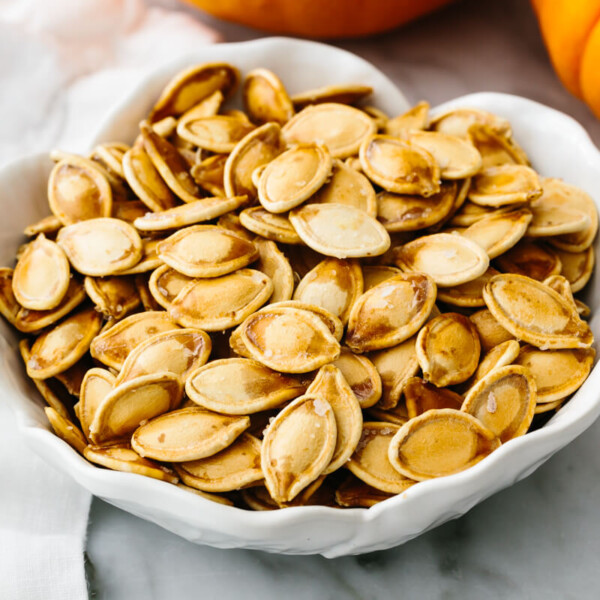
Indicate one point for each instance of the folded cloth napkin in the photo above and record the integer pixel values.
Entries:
(63, 65)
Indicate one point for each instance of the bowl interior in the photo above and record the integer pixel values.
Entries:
(557, 145)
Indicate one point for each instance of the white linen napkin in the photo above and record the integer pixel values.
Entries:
(63, 65)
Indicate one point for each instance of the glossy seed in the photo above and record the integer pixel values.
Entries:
(231, 469)
(449, 259)
(78, 190)
(439, 443)
(188, 214)
(66, 430)
(361, 375)
(339, 127)
(491, 333)
(421, 396)
(165, 283)
(577, 267)
(42, 275)
(266, 99)
(293, 177)
(273, 227)
(395, 365)
(347, 186)
(504, 401)
(414, 119)
(222, 302)
(298, 446)
(505, 184)
(219, 133)
(339, 230)
(129, 404)
(397, 212)
(468, 294)
(273, 263)
(334, 284)
(458, 121)
(113, 345)
(331, 386)
(557, 373)
(187, 434)
(370, 462)
(535, 313)
(59, 348)
(123, 458)
(96, 385)
(179, 352)
(448, 349)
(499, 356)
(354, 493)
(206, 251)
(101, 247)
(341, 93)
(114, 297)
(496, 148)
(240, 386)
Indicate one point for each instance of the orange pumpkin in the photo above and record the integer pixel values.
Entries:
(320, 18)
(571, 30)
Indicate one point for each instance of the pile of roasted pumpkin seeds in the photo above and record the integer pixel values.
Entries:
(306, 302)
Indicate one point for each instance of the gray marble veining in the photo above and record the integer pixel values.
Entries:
(538, 539)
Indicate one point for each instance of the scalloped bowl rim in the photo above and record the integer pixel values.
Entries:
(295, 530)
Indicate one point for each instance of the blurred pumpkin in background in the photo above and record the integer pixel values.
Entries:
(571, 30)
(320, 18)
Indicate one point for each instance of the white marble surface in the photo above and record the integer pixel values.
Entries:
(539, 539)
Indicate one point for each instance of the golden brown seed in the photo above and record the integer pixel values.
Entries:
(59, 348)
(339, 230)
(47, 225)
(266, 99)
(577, 267)
(188, 214)
(339, 127)
(449, 259)
(421, 396)
(114, 297)
(459, 120)
(398, 212)
(206, 251)
(535, 313)
(101, 247)
(144, 179)
(497, 233)
(499, 356)
(468, 294)
(505, 184)
(495, 147)
(179, 351)
(414, 119)
(289, 339)
(113, 345)
(293, 177)
(531, 259)
(66, 430)
(193, 85)
(398, 166)
(334, 284)
(123, 458)
(223, 302)
(34, 320)
(211, 497)
(347, 186)
(165, 283)
(504, 401)
(258, 148)
(370, 462)
(132, 402)
(9, 307)
(96, 385)
(439, 443)
(375, 274)
(395, 365)
(298, 446)
(219, 133)
(187, 434)
(448, 349)
(557, 373)
(354, 493)
(231, 469)
(273, 227)
(240, 386)
(273, 263)
(78, 190)
(456, 158)
(128, 210)
(361, 375)
(491, 333)
(390, 312)
(208, 174)
(42, 275)
(331, 386)
(342, 93)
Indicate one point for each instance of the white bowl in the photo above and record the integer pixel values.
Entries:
(557, 145)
